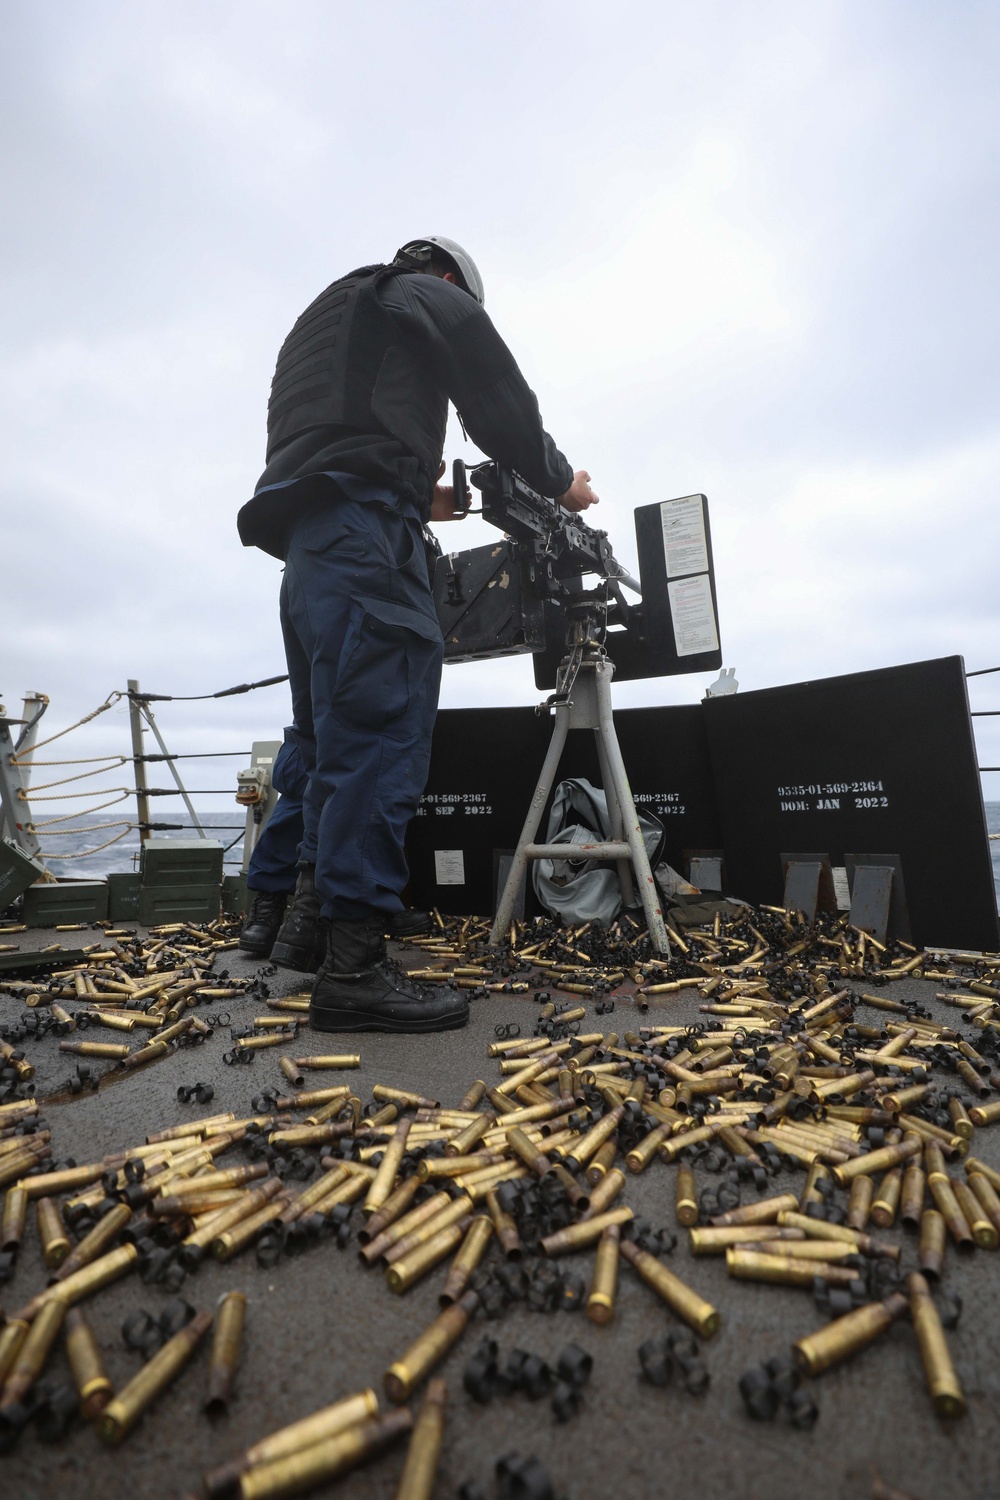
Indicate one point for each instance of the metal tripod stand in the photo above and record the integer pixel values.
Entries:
(586, 674)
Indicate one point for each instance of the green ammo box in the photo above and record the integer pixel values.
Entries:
(187, 862)
(64, 903)
(160, 904)
(17, 871)
(123, 897)
(234, 895)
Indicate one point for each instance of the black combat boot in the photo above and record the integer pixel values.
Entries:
(360, 989)
(301, 942)
(408, 923)
(261, 923)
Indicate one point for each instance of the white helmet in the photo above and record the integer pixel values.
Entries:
(418, 252)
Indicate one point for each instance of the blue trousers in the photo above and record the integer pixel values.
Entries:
(276, 852)
(364, 651)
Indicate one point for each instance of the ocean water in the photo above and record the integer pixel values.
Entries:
(228, 828)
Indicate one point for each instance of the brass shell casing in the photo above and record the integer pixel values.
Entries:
(505, 1226)
(325, 1423)
(860, 1202)
(686, 1197)
(473, 1095)
(942, 1191)
(933, 1241)
(15, 1213)
(325, 1460)
(583, 1232)
(89, 1278)
(454, 1210)
(886, 1200)
(607, 1190)
(424, 1257)
(461, 1144)
(984, 1232)
(225, 1356)
(12, 1335)
(470, 1253)
(52, 1233)
(120, 1415)
(419, 1472)
(988, 1197)
(764, 1211)
(679, 1297)
(601, 1161)
(845, 1336)
(939, 1372)
(875, 1161)
(89, 1375)
(401, 1226)
(717, 1240)
(911, 1197)
(753, 1265)
(30, 1358)
(604, 1283)
(406, 1373)
(384, 1180)
(642, 1154)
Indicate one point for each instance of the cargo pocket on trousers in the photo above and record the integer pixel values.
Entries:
(387, 656)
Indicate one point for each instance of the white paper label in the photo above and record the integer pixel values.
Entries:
(693, 616)
(449, 866)
(841, 888)
(685, 548)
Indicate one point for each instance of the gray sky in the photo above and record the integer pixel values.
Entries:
(748, 250)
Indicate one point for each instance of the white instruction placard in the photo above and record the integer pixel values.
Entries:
(685, 546)
(693, 616)
(449, 866)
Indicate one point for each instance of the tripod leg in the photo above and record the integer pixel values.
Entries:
(519, 863)
(615, 820)
(633, 834)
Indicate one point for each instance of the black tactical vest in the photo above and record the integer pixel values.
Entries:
(344, 365)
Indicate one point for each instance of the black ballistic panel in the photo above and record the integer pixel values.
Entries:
(881, 761)
(485, 764)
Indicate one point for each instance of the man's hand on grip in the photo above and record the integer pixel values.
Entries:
(579, 495)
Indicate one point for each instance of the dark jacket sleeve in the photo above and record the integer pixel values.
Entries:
(470, 360)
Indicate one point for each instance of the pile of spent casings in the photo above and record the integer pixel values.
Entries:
(793, 1068)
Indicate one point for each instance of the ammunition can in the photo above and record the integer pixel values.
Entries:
(505, 1228)
(12, 1335)
(52, 1233)
(120, 1415)
(424, 1257)
(860, 1202)
(30, 1358)
(843, 1337)
(602, 1160)
(604, 1194)
(942, 1191)
(15, 1213)
(384, 1180)
(679, 1297)
(933, 1240)
(685, 1197)
(939, 1372)
(601, 1297)
(583, 1232)
(89, 1375)
(225, 1356)
(403, 1376)
(471, 1252)
(983, 1231)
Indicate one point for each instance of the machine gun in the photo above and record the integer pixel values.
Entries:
(526, 593)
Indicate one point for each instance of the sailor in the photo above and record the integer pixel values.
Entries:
(355, 432)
